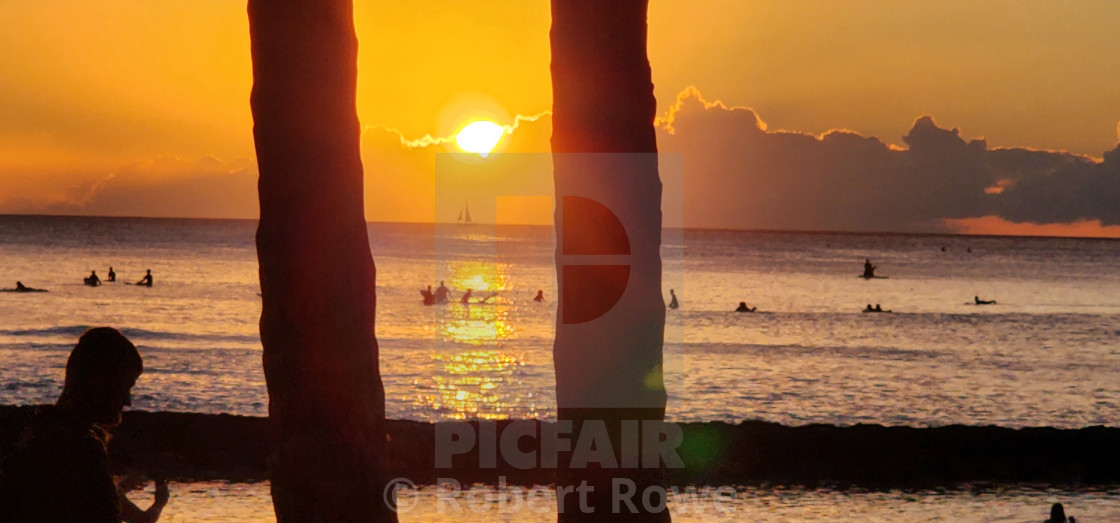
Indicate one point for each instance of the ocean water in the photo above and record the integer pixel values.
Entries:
(1045, 355)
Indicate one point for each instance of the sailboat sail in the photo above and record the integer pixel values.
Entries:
(464, 214)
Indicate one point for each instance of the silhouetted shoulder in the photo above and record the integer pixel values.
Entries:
(59, 471)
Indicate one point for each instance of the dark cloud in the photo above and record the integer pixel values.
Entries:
(1066, 189)
(739, 175)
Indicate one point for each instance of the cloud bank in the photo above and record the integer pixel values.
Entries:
(740, 175)
(165, 187)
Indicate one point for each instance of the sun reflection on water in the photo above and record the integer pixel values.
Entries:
(485, 319)
(474, 382)
(478, 324)
(468, 384)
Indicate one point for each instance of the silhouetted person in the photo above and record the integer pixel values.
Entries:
(673, 302)
(540, 296)
(1058, 514)
(429, 298)
(878, 308)
(92, 280)
(868, 269)
(112, 275)
(146, 281)
(60, 469)
(442, 293)
(466, 298)
(20, 287)
(743, 307)
(869, 309)
(983, 302)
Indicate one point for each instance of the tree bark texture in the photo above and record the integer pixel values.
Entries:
(608, 357)
(326, 400)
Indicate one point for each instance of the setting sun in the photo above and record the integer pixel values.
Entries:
(479, 137)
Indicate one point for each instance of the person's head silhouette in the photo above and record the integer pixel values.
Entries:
(1057, 513)
(100, 374)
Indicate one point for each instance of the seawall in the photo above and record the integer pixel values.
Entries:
(187, 446)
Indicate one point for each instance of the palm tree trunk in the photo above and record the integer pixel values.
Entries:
(608, 362)
(326, 401)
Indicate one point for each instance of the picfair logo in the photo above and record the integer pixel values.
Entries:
(591, 231)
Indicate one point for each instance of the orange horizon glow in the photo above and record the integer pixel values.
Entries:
(996, 226)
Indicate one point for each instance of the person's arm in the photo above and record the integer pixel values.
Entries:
(131, 513)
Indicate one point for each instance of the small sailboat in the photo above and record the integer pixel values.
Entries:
(464, 214)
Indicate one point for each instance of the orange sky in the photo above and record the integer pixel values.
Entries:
(116, 91)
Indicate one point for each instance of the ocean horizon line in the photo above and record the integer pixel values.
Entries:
(543, 226)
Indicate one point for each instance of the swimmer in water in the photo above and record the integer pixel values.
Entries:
(442, 293)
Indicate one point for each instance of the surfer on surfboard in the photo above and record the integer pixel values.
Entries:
(146, 281)
(92, 280)
(20, 287)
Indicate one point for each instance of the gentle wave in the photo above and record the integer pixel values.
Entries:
(70, 330)
(798, 349)
(74, 331)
